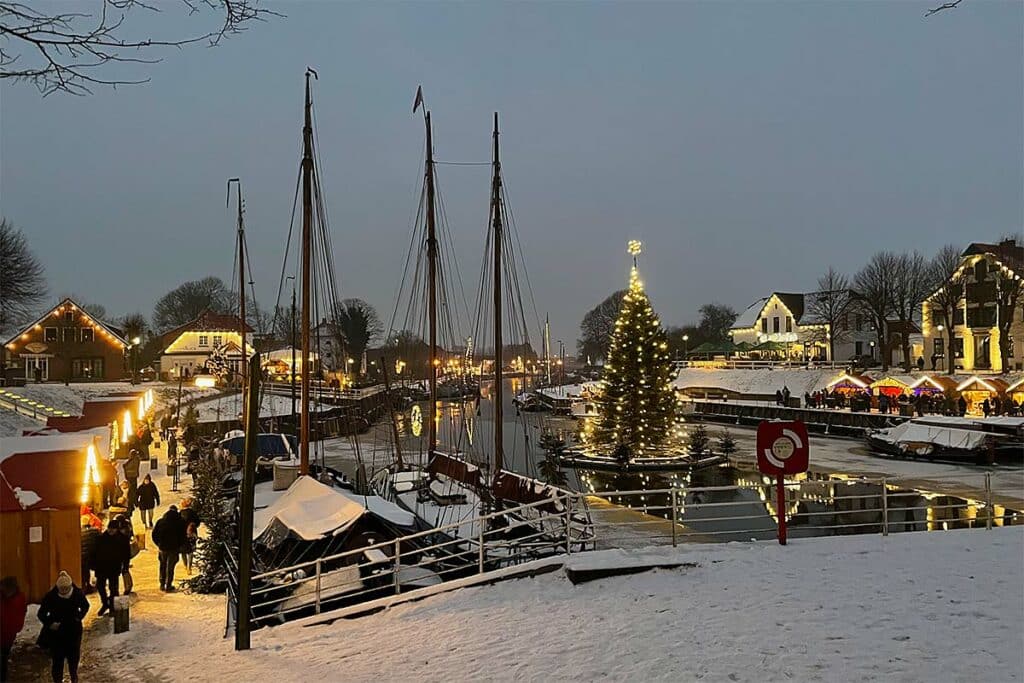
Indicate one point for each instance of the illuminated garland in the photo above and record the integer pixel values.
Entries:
(636, 408)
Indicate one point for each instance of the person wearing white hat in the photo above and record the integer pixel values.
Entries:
(61, 611)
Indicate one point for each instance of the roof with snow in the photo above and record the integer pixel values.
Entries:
(794, 303)
(1007, 252)
(207, 321)
(310, 510)
(115, 332)
(42, 472)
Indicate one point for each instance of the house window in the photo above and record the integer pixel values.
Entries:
(980, 270)
(789, 323)
(217, 340)
(764, 326)
(204, 340)
(858, 322)
(69, 316)
(858, 348)
(958, 317)
(844, 321)
(87, 368)
(87, 334)
(775, 324)
(49, 334)
(939, 346)
(958, 347)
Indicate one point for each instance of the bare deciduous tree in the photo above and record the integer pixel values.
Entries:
(949, 279)
(184, 303)
(830, 305)
(911, 285)
(22, 283)
(872, 294)
(715, 321)
(1009, 298)
(72, 51)
(598, 325)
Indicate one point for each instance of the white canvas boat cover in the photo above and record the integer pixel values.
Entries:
(310, 510)
(944, 437)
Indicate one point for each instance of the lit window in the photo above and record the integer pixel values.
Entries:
(87, 334)
(217, 340)
(50, 334)
(204, 340)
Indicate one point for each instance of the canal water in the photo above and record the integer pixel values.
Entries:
(817, 503)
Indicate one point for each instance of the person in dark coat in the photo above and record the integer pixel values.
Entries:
(190, 518)
(61, 612)
(108, 481)
(131, 475)
(90, 536)
(169, 536)
(13, 607)
(147, 499)
(962, 405)
(986, 407)
(110, 561)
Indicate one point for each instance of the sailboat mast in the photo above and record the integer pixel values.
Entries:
(496, 224)
(307, 240)
(432, 294)
(243, 366)
(547, 348)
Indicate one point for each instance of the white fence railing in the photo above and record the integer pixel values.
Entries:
(749, 364)
(578, 522)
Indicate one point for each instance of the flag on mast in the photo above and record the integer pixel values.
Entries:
(419, 98)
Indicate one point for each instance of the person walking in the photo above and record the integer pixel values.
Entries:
(190, 518)
(90, 536)
(13, 607)
(131, 475)
(108, 481)
(169, 536)
(986, 407)
(61, 612)
(962, 406)
(148, 498)
(111, 557)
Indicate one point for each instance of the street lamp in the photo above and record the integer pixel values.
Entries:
(940, 328)
(686, 347)
(133, 348)
(872, 352)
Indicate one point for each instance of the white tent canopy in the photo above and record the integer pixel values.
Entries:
(310, 510)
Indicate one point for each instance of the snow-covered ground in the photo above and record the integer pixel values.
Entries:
(909, 607)
(229, 406)
(764, 381)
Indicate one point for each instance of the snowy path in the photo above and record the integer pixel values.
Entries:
(912, 607)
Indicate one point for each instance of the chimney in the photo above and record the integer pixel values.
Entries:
(1009, 242)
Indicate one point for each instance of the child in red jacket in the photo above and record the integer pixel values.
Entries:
(12, 619)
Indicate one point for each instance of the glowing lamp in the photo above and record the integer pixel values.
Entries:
(126, 426)
(142, 407)
(205, 381)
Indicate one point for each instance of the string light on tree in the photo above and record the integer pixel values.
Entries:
(636, 408)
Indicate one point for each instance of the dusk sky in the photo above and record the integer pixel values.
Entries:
(749, 145)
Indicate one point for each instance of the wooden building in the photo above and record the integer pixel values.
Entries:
(43, 481)
(189, 346)
(66, 344)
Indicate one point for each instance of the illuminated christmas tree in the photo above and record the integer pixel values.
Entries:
(636, 408)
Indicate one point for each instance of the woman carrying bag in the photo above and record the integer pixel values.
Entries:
(61, 612)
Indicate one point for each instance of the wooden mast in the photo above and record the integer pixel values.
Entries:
(496, 224)
(432, 291)
(243, 368)
(307, 240)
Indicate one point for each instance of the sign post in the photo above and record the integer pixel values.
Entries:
(782, 448)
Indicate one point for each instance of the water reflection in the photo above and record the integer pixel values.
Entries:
(816, 504)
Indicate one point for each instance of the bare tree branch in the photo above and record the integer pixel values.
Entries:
(72, 52)
(941, 8)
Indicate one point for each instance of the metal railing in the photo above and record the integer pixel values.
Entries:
(470, 547)
(750, 364)
(638, 518)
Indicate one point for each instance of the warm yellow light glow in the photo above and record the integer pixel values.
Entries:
(416, 420)
(126, 426)
(205, 381)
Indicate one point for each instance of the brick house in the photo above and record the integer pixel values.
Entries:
(66, 344)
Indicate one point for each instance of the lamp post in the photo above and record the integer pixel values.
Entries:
(134, 350)
(872, 352)
(940, 328)
(686, 345)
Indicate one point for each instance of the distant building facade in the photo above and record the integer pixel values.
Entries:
(66, 344)
(188, 347)
(986, 271)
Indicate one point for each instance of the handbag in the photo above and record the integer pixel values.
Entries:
(45, 639)
(129, 582)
